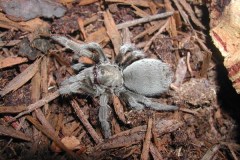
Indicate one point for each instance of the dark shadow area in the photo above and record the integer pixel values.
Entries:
(227, 97)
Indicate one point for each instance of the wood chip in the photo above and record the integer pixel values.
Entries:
(189, 10)
(81, 27)
(147, 141)
(11, 61)
(100, 36)
(155, 153)
(164, 126)
(86, 2)
(71, 142)
(21, 79)
(9, 24)
(12, 109)
(9, 131)
(112, 31)
(122, 139)
(142, 3)
(44, 79)
(118, 107)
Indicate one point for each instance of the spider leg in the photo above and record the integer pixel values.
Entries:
(83, 75)
(77, 87)
(124, 50)
(104, 112)
(79, 66)
(137, 54)
(131, 100)
(82, 49)
(138, 101)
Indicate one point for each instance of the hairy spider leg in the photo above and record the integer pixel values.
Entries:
(134, 54)
(138, 102)
(82, 49)
(103, 115)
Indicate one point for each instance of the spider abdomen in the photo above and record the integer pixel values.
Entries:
(148, 77)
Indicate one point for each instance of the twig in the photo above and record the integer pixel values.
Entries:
(144, 20)
(188, 64)
(146, 144)
(36, 105)
(155, 36)
(85, 122)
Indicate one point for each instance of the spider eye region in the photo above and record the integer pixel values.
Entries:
(109, 75)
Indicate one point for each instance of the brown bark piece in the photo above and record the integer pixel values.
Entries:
(21, 79)
(12, 109)
(100, 36)
(146, 144)
(118, 107)
(112, 31)
(8, 131)
(125, 138)
(155, 153)
(141, 3)
(11, 61)
(86, 2)
(189, 10)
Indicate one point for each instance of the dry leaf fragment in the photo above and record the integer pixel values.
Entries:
(21, 79)
(11, 61)
(112, 31)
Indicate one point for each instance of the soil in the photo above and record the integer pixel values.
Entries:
(204, 127)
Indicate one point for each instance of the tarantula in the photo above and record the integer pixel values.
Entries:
(128, 78)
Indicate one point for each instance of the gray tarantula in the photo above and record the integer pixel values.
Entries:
(128, 78)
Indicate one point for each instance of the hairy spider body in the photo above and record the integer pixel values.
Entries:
(130, 79)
